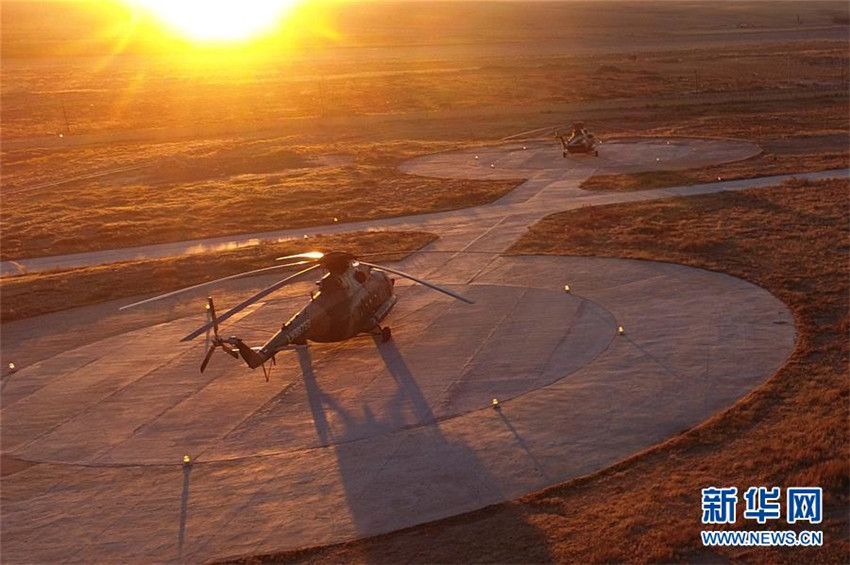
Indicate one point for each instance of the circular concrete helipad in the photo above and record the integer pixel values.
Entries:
(360, 438)
(527, 159)
(152, 409)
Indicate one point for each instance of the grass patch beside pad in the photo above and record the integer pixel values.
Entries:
(765, 164)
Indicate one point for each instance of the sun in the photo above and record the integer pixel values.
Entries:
(218, 21)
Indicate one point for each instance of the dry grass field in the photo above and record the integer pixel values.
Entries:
(161, 141)
(792, 430)
(25, 296)
(332, 61)
(221, 188)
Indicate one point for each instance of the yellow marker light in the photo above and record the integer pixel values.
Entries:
(492, 165)
(336, 219)
(566, 288)
(61, 135)
(207, 306)
(186, 460)
(621, 330)
(476, 157)
(11, 366)
(495, 403)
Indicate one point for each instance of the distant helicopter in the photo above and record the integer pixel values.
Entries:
(353, 298)
(579, 141)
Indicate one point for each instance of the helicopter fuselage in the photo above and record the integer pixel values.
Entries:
(347, 303)
(580, 141)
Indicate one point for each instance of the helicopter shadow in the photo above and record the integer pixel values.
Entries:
(321, 403)
(315, 396)
(408, 389)
(417, 474)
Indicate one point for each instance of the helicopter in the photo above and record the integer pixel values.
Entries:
(580, 140)
(353, 298)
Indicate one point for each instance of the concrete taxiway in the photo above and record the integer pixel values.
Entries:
(358, 438)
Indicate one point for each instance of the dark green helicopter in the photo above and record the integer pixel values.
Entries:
(352, 299)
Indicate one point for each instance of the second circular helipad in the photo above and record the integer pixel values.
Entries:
(525, 160)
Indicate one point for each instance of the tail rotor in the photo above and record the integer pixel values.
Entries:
(216, 340)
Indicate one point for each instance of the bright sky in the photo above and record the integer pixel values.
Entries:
(217, 20)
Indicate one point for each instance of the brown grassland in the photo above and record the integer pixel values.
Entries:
(453, 58)
(792, 240)
(187, 190)
(162, 143)
(30, 295)
(224, 188)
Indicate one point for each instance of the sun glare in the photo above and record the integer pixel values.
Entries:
(218, 21)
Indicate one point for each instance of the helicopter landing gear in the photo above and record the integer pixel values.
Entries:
(385, 334)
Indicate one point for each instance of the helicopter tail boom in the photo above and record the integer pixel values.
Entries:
(291, 333)
(251, 357)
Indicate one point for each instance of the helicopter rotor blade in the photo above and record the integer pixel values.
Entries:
(207, 357)
(420, 281)
(213, 319)
(311, 256)
(244, 304)
(208, 283)
(427, 252)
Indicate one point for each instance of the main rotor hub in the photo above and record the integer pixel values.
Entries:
(337, 262)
